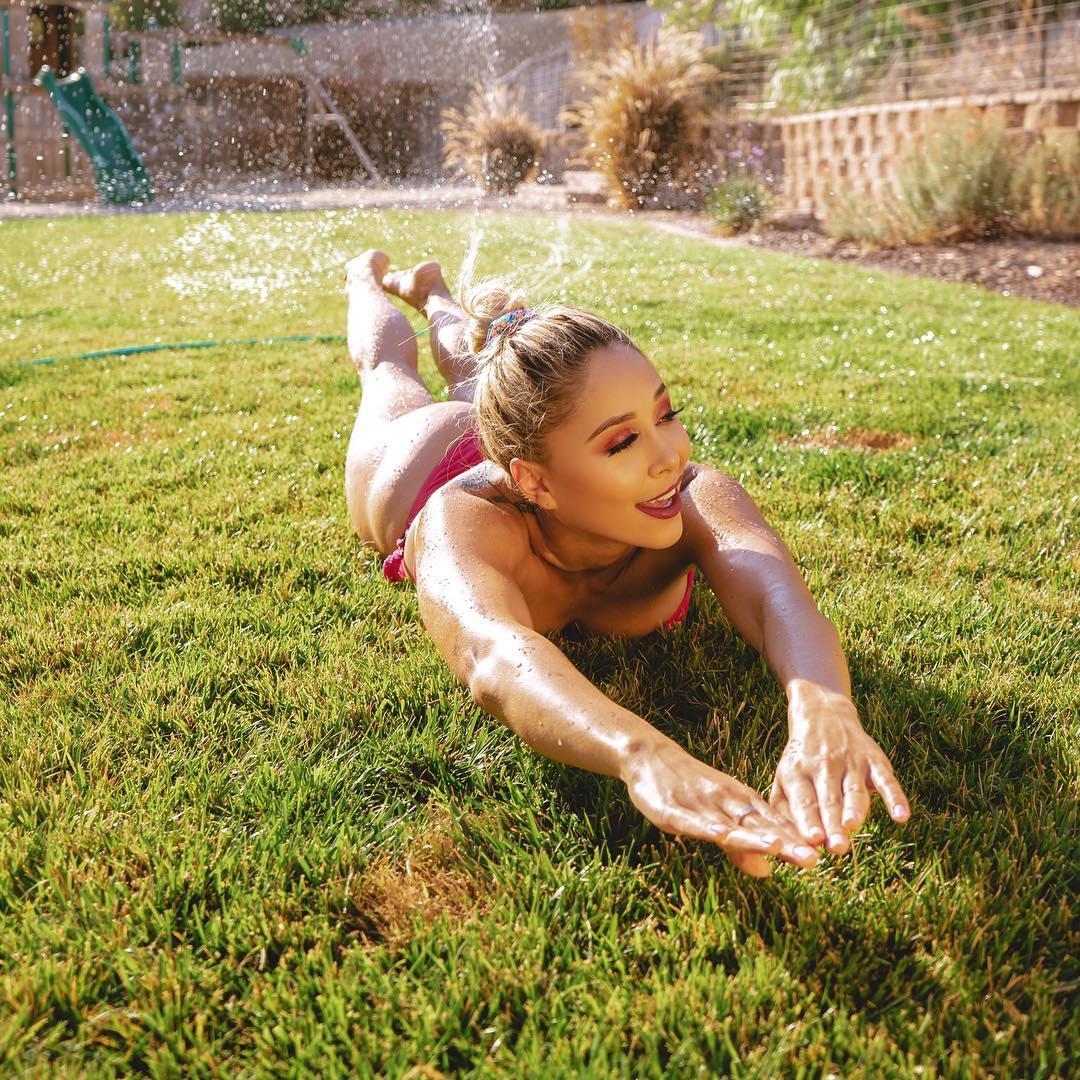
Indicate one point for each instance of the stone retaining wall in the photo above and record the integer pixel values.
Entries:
(855, 150)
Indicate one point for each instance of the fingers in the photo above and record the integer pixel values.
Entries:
(749, 809)
(780, 803)
(784, 844)
(856, 801)
(754, 865)
(741, 807)
(715, 829)
(802, 802)
(746, 844)
(830, 807)
(888, 787)
(838, 818)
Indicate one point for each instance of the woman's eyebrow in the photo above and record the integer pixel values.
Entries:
(622, 417)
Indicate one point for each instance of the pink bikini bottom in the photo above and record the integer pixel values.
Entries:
(461, 456)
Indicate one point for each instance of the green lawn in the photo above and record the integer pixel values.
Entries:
(250, 825)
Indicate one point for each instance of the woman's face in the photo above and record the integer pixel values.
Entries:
(615, 466)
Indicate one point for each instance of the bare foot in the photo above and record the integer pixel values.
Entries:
(368, 268)
(417, 285)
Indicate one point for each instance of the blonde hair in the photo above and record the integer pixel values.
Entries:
(528, 377)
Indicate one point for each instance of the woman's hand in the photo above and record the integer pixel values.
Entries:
(680, 794)
(829, 768)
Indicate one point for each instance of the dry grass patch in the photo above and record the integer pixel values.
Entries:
(424, 1072)
(432, 878)
(856, 438)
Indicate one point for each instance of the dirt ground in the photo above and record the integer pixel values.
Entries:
(1036, 269)
(1039, 270)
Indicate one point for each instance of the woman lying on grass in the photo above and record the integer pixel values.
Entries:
(555, 488)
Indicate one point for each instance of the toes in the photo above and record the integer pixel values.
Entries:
(372, 261)
(402, 284)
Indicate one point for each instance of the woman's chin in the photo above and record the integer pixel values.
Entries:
(652, 533)
(672, 534)
(660, 534)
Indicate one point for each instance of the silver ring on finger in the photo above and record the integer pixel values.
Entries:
(744, 814)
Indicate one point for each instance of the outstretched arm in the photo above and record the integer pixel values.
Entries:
(481, 624)
(830, 764)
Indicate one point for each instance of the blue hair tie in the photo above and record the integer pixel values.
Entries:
(509, 322)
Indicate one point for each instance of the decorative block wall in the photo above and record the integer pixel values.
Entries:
(855, 150)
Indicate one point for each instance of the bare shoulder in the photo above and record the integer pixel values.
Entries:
(471, 547)
(475, 518)
(710, 481)
(718, 514)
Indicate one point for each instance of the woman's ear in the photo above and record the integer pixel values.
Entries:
(529, 480)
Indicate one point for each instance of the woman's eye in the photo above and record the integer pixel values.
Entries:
(626, 443)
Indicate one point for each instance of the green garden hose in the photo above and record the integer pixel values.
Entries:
(176, 346)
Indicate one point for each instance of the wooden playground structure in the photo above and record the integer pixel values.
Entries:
(39, 158)
(183, 127)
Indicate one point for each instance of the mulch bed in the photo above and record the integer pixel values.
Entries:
(1047, 270)
(1036, 269)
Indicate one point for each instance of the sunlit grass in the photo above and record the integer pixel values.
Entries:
(248, 822)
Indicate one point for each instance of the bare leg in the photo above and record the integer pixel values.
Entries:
(381, 343)
(424, 288)
(400, 433)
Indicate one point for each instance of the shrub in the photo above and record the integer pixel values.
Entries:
(738, 203)
(849, 217)
(642, 117)
(492, 140)
(955, 185)
(249, 16)
(144, 14)
(1046, 190)
(596, 32)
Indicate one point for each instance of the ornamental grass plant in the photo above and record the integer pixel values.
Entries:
(492, 140)
(956, 184)
(642, 115)
(1046, 189)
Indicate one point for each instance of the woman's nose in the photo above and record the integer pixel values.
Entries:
(666, 459)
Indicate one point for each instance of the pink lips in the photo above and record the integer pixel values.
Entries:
(668, 511)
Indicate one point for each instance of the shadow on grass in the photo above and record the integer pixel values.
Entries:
(955, 753)
(982, 852)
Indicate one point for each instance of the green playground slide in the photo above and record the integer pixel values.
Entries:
(119, 171)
